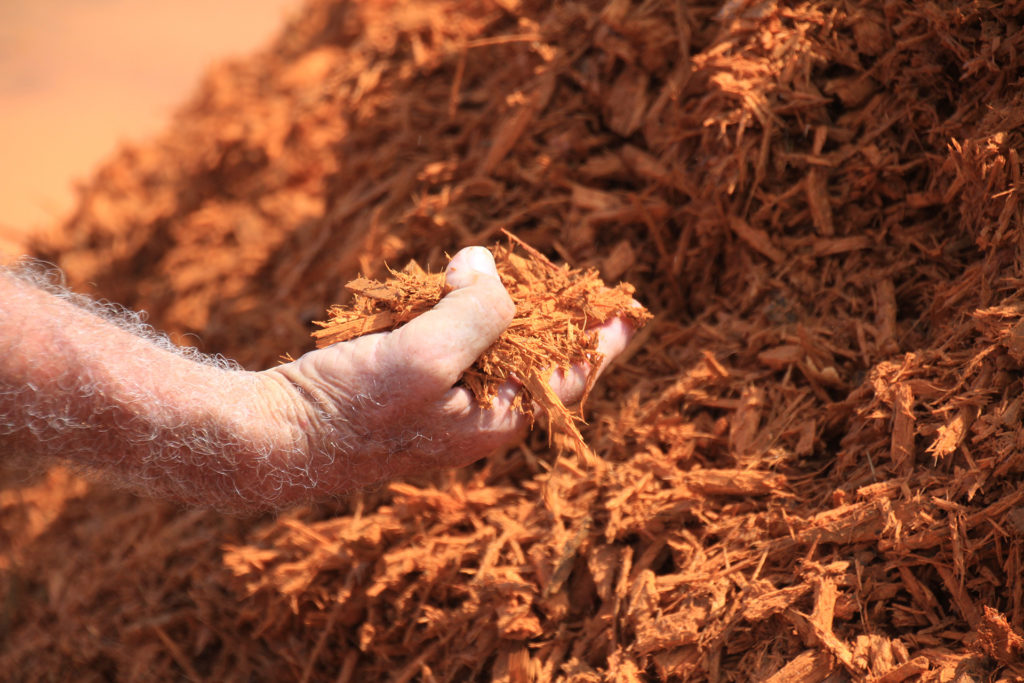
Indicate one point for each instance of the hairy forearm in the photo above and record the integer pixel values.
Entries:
(99, 388)
(92, 386)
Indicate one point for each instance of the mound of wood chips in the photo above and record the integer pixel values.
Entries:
(815, 457)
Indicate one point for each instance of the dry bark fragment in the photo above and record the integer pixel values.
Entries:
(998, 639)
(810, 666)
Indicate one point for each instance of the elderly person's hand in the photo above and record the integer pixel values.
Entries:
(81, 383)
(386, 402)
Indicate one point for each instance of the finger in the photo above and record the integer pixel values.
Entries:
(434, 350)
(612, 338)
(475, 431)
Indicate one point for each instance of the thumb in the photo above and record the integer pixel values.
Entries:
(437, 347)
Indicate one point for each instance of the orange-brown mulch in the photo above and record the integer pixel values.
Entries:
(813, 453)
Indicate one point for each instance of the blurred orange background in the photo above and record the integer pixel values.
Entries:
(79, 76)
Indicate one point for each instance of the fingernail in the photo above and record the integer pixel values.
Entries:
(480, 260)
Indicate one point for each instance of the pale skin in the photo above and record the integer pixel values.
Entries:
(76, 384)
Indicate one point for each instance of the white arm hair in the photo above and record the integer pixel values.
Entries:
(93, 384)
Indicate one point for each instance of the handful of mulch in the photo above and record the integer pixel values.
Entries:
(556, 307)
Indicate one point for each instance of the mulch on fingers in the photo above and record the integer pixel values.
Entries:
(555, 308)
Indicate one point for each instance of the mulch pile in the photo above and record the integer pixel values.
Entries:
(813, 461)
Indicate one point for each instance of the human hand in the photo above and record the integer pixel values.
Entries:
(385, 404)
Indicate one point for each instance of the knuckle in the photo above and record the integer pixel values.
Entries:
(507, 307)
(495, 301)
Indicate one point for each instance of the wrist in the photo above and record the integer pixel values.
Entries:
(299, 415)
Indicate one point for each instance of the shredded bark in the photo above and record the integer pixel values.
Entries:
(815, 467)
